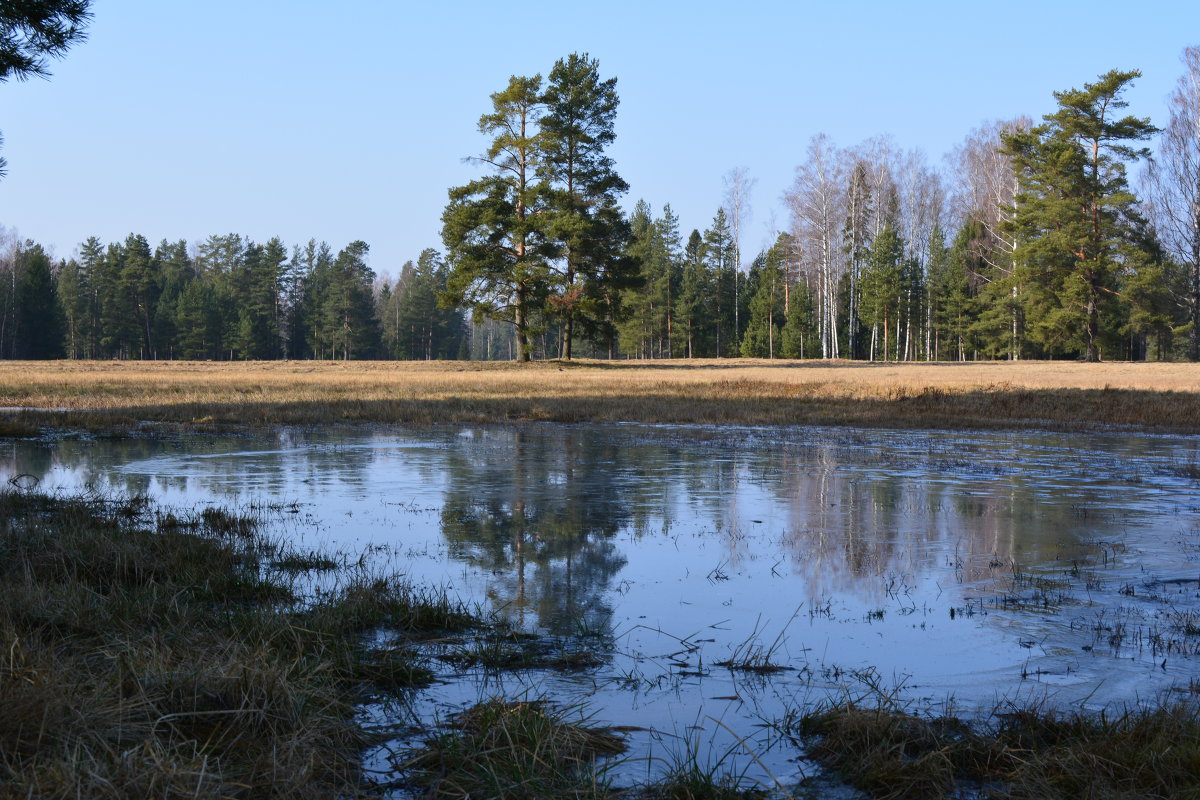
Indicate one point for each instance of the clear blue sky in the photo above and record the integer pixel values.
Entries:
(340, 122)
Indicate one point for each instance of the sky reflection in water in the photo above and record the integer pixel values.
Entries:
(972, 566)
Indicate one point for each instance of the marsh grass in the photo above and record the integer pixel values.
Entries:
(120, 396)
(522, 750)
(695, 773)
(504, 649)
(754, 655)
(151, 654)
(1032, 752)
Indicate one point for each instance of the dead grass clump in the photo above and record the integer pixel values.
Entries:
(521, 750)
(364, 603)
(1023, 753)
(149, 654)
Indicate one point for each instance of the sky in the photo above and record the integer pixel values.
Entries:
(350, 121)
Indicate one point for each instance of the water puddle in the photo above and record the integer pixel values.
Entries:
(718, 578)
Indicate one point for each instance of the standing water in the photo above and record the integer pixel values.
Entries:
(727, 576)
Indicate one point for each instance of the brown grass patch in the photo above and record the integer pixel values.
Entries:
(1021, 754)
(759, 392)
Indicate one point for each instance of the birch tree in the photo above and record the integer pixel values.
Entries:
(986, 196)
(817, 202)
(738, 187)
(1172, 184)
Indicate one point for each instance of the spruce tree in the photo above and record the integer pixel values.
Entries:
(800, 336)
(73, 297)
(39, 329)
(693, 291)
(349, 325)
(767, 316)
(883, 287)
(950, 296)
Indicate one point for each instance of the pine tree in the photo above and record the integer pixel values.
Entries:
(495, 228)
(33, 31)
(1074, 210)
(583, 190)
(719, 257)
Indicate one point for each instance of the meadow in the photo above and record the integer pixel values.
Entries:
(1057, 395)
(117, 679)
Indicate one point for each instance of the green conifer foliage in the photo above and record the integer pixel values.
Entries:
(1075, 212)
(495, 228)
(39, 331)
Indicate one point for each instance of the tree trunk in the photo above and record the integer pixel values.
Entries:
(520, 323)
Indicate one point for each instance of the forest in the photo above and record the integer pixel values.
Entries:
(1030, 240)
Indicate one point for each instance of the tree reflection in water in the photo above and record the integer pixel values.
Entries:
(539, 514)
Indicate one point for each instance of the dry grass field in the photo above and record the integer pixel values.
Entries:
(992, 394)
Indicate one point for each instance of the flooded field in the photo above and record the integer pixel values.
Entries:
(694, 586)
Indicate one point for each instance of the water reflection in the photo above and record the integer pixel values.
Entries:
(538, 512)
(721, 531)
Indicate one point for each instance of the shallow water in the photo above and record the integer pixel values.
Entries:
(963, 568)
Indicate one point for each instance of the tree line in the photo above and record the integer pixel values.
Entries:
(227, 298)
(1033, 243)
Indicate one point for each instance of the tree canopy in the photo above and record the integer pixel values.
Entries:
(34, 31)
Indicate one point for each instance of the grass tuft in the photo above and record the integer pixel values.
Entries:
(1022, 753)
(526, 749)
(154, 654)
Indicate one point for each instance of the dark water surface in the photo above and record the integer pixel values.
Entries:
(963, 567)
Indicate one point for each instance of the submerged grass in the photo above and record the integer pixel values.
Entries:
(503, 649)
(1026, 753)
(149, 654)
(121, 395)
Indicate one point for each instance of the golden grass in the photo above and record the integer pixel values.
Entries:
(988, 394)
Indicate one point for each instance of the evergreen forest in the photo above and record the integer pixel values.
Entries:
(1076, 236)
